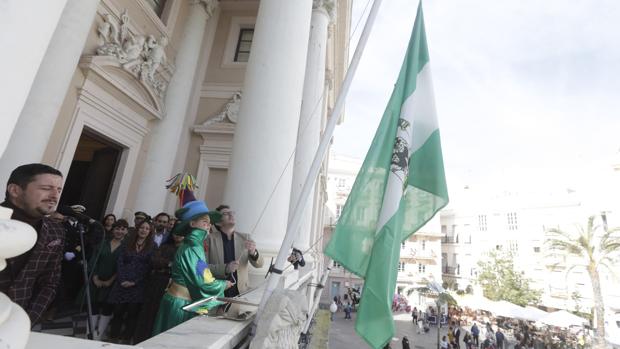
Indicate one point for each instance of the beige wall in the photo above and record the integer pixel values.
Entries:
(63, 121)
(207, 108)
(142, 22)
(219, 80)
(214, 193)
(216, 73)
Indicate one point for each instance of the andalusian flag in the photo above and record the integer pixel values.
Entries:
(399, 188)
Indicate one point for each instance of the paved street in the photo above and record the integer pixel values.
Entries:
(342, 334)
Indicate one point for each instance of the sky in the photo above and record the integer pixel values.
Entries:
(527, 91)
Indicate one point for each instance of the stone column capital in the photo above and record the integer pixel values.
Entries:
(328, 6)
(208, 5)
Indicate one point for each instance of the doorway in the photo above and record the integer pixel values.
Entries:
(91, 174)
(335, 289)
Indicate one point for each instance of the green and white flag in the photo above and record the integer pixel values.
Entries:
(399, 188)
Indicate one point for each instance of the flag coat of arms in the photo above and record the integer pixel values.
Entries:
(400, 187)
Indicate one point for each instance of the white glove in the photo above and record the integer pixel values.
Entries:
(69, 256)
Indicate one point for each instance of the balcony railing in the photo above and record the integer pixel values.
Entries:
(451, 270)
(449, 240)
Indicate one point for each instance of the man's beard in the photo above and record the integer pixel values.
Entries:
(38, 211)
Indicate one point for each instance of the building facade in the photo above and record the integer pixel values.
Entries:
(519, 223)
(124, 94)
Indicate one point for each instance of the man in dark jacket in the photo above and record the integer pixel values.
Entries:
(30, 279)
(499, 338)
(406, 343)
(457, 334)
(475, 333)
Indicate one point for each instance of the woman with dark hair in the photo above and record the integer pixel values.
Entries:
(108, 222)
(191, 278)
(103, 267)
(127, 294)
(98, 234)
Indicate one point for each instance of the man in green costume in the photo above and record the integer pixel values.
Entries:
(191, 278)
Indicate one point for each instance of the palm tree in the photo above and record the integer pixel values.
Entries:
(596, 247)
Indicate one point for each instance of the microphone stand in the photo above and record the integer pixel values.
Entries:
(89, 308)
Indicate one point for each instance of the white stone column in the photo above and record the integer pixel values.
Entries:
(194, 101)
(50, 86)
(266, 131)
(17, 238)
(312, 108)
(166, 134)
(26, 28)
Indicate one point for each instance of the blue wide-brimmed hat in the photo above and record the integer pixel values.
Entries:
(192, 211)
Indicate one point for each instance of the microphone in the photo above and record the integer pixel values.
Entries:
(69, 211)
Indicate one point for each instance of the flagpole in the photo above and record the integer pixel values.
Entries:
(317, 298)
(295, 220)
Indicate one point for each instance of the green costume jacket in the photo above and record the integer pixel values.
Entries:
(190, 269)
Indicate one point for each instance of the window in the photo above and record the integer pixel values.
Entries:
(402, 245)
(482, 222)
(512, 221)
(536, 249)
(337, 265)
(338, 210)
(423, 244)
(401, 266)
(444, 230)
(514, 246)
(157, 6)
(242, 53)
(421, 268)
(341, 182)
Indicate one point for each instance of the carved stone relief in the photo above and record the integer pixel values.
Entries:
(230, 111)
(208, 5)
(137, 54)
(327, 5)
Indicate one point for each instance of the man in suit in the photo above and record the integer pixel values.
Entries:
(31, 279)
(230, 252)
(162, 234)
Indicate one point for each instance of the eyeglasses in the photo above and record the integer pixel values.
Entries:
(228, 213)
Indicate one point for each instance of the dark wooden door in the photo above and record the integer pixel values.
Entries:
(98, 181)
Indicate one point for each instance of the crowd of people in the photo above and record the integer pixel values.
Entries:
(140, 275)
(482, 330)
(346, 303)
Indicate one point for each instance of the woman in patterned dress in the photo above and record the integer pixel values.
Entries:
(127, 294)
(161, 262)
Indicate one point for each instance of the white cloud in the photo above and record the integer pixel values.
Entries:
(523, 88)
